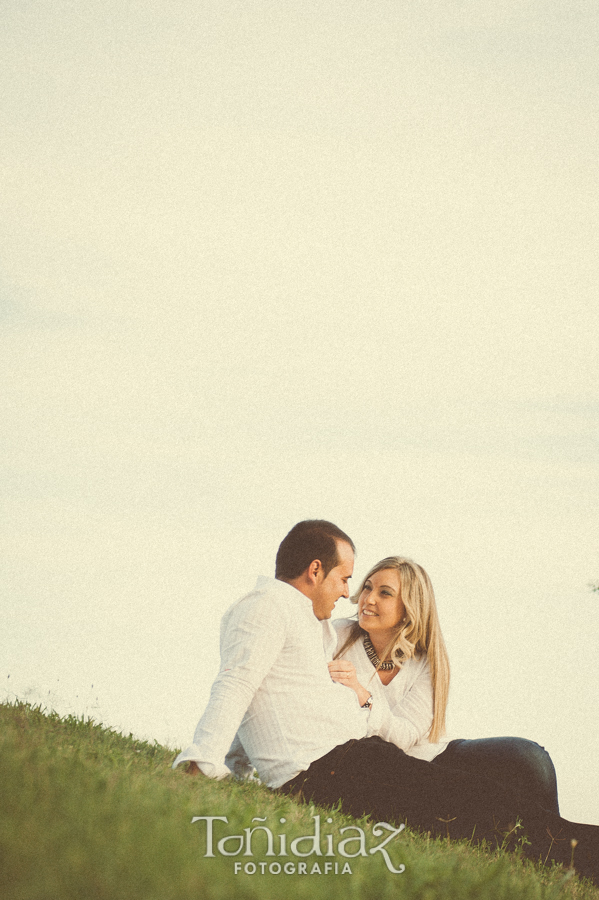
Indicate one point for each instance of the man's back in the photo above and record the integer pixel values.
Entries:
(274, 689)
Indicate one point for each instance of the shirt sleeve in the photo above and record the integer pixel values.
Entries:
(252, 636)
(237, 760)
(407, 721)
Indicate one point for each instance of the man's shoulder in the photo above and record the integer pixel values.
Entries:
(342, 627)
(278, 590)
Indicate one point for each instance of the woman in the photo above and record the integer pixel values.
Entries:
(395, 651)
(395, 660)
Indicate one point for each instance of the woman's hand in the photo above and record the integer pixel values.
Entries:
(344, 672)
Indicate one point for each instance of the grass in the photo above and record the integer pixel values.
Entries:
(89, 813)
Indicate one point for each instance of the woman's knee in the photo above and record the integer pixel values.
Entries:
(536, 771)
(532, 756)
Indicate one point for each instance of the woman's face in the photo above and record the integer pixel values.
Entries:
(380, 607)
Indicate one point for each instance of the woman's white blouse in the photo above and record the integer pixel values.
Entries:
(402, 711)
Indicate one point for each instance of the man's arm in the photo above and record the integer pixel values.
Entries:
(252, 636)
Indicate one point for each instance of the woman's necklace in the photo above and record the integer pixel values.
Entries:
(371, 653)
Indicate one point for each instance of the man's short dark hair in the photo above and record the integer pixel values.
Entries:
(307, 541)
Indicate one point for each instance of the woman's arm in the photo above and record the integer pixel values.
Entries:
(344, 672)
(399, 715)
(404, 720)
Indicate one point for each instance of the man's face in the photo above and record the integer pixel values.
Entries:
(335, 585)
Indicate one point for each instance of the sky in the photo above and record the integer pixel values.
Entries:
(261, 262)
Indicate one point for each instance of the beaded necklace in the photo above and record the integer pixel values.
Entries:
(371, 653)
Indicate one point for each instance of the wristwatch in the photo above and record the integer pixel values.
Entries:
(368, 703)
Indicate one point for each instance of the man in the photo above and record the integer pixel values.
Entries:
(274, 706)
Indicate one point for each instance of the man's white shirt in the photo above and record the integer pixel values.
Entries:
(273, 702)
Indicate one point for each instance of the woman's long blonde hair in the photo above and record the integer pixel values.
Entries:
(419, 632)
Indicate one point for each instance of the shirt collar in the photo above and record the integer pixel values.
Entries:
(287, 590)
(329, 635)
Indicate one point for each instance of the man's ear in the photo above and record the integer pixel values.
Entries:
(313, 569)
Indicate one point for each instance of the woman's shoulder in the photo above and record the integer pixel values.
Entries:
(416, 665)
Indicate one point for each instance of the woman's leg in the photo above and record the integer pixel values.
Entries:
(515, 762)
(373, 777)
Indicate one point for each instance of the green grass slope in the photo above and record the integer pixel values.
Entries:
(88, 813)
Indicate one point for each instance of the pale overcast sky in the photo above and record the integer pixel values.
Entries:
(267, 261)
